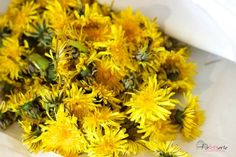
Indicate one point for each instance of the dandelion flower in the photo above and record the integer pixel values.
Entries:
(102, 117)
(109, 75)
(24, 16)
(93, 25)
(51, 98)
(147, 59)
(19, 99)
(177, 71)
(150, 103)
(116, 46)
(61, 56)
(191, 118)
(111, 143)
(8, 67)
(130, 22)
(54, 12)
(134, 142)
(151, 30)
(62, 135)
(166, 149)
(4, 28)
(10, 58)
(66, 4)
(78, 102)
(134, 147)
(107, 96)
(30, 135)
(94, 14)
(159, 130)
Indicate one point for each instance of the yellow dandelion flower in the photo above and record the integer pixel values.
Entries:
(54, 12)
(151, 31)
(25, 101)
(42, 3)
(109, 75)
(106, 95)
(70, 3)
(93, 25)
(11, 48)
(61, 57)
(8, 66)
(117, 48)
(23, 16)
(166, 149)
(51, 98)
(102, 117)
(159, 130)
(151, 103)
(148, 60)
(119, 52)
(10, 58)
(85, 62)
(33, 84)
(19, 99)
(130, 22)
(134, 141)
(30, 135)
(92, 32)
(192, 118)
(137, 27)
(62, 135)
(73, 31)
(16, 3)
(93, 13)
(3, 20)
(51, 94)
(79, 103)
(134, 147)
(111, 143)
(178, 72)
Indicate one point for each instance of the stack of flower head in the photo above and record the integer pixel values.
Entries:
(81, 78)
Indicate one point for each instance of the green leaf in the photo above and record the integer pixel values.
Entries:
(80, 46)
(39, 61)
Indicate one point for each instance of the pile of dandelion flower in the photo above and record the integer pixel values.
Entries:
(82, 78)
